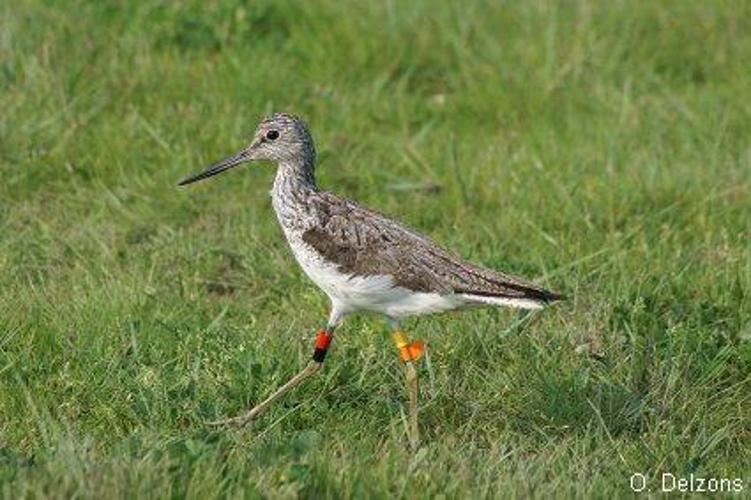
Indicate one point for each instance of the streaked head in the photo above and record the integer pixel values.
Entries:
(281, 138)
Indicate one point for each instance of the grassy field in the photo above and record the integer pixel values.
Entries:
(603, 149)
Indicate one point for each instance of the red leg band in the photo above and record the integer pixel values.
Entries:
(323, 340)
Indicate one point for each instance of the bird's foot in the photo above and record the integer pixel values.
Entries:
(257, 411)
(410, 353)
(239, 421)
(414, 389)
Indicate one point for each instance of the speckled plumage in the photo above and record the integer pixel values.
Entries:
(361, 243)
(363, 260)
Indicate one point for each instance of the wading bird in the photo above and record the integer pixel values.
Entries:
(364, 261)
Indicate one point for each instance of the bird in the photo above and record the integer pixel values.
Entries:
(364, 261)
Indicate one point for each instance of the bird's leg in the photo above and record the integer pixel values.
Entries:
(410, 352)
(323, 341)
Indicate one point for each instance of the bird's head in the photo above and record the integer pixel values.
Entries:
(281, 138)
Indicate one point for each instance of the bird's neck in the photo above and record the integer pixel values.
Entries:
(294, 183)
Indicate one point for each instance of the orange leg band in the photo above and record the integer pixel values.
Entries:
(409, 351)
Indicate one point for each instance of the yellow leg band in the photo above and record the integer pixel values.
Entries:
(409, 351)
(400, 339)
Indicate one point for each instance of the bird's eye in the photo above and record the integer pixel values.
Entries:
(272, 135)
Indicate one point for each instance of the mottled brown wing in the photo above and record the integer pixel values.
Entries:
(366, 243)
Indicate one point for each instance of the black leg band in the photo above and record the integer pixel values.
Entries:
(319, 354)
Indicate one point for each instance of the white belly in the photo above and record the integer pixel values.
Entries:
(350, 293)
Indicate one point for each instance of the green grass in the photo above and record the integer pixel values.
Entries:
(601, 148)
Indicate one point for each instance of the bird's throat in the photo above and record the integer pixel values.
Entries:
(293, 185)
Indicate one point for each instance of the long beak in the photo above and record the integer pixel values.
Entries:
(226, 164)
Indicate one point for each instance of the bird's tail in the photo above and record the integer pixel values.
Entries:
(528, 298)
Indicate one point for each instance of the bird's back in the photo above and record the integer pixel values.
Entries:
(364, 243)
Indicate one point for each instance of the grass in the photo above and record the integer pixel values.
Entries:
(599, 147)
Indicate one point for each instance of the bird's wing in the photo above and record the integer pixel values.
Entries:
(366, 243)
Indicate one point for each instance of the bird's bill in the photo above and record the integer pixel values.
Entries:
(226, 164)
